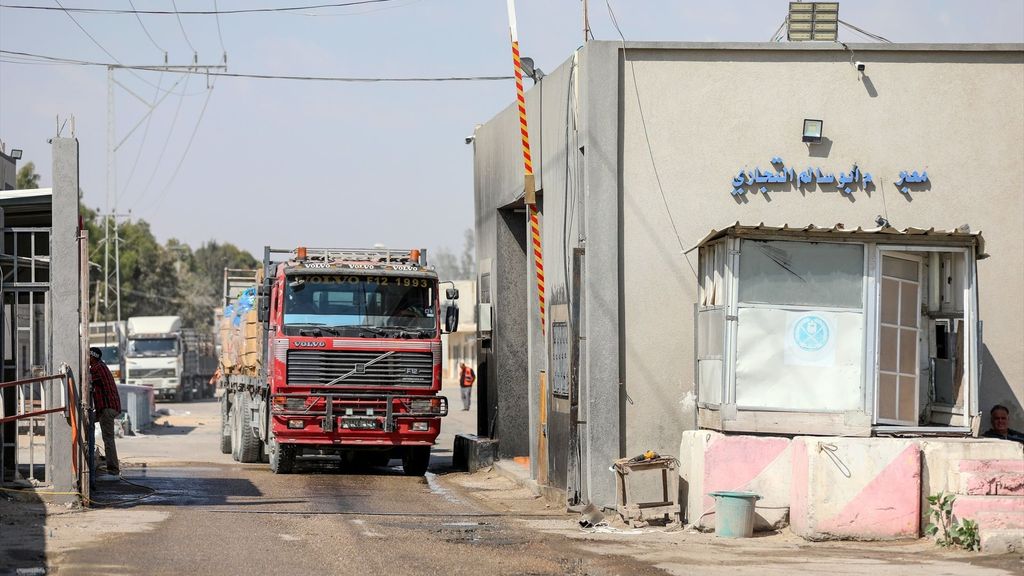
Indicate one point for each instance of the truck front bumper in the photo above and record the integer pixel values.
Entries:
(357, 419)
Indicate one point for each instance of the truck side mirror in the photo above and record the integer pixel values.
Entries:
(451, 319)
(452, 293)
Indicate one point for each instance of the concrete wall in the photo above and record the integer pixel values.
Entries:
(712, 110)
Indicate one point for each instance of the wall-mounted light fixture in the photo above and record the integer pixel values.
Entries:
(16, 154)
(812, 131)
(527, 66)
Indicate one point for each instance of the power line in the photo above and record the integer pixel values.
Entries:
(176, 12)
(97, 43)
(174, 175)
(146, 30)
(189, 70)
(865, 32)
(647, 138)
(86, 32)
(163, 150)
(182, 26)
(220, 36)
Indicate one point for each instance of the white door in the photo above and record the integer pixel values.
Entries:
(899, 311)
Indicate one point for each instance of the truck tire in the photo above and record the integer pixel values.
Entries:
(236, 435)
(282, 458)
(415, 460)
(250, 447)
(225, 426)
(179, 394)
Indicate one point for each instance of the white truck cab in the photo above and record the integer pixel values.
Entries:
(153, 355)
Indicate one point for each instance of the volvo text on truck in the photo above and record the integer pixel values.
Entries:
(333, 352)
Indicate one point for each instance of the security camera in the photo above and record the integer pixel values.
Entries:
(860, 66)
(470, 139)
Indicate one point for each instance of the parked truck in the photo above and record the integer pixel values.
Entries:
(109, 337)
(333, 352)
(177, 363)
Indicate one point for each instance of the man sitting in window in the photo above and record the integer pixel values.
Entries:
(1000, 416)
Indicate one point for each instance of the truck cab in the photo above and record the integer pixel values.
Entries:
(153, 355)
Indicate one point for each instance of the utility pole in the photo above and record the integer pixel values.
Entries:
(586, 23)
(112, 149)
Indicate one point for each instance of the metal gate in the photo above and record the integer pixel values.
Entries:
(26, 343)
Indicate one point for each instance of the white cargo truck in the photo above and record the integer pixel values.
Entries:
(153, 356)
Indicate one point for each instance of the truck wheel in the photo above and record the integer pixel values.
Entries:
(282, 458)
(249, 445)
(186, 392)
(236, 434)
(179, 394)
(225, 426)
(415, 460)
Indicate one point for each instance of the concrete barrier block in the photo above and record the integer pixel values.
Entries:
(945, 462)
(1002, 541)
(710, 461)
(991, 484)
(471, 452)
(855, 488)
(991, 512)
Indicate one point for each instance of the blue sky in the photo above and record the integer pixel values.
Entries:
(340, 164)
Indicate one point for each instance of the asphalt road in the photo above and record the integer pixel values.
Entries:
(215, 516)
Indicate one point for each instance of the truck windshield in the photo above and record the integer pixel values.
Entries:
(152, 347)
(354, 305)
(111, 356)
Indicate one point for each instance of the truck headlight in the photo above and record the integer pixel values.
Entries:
(435, 405)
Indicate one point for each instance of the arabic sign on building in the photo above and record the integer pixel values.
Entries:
(782, 179)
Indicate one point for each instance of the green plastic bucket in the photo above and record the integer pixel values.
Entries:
(734, 513)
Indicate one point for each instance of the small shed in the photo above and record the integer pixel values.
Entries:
(830, 331)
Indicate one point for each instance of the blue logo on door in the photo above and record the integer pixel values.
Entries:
(811, 333)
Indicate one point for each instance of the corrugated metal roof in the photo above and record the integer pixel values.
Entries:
(961, 236)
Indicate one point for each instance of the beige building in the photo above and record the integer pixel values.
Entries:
(643, 150)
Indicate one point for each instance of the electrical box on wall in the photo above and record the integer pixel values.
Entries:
(483, 317)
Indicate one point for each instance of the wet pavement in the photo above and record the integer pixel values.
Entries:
(222, 517)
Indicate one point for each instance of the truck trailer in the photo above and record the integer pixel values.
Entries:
(333, 352)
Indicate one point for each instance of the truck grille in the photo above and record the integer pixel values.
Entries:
(319, 367)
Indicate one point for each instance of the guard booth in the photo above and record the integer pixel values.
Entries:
(828, 331)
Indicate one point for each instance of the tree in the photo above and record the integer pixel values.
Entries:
(452, 267)
(27, 177)
(170, 280)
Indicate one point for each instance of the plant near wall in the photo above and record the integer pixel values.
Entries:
(946, 529)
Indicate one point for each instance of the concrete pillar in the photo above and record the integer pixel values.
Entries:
(64, 306)
(600, 389)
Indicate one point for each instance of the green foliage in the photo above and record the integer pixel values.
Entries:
(158, 280)
(27, 177)
(947, 529)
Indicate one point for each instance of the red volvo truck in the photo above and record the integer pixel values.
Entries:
(333, 352)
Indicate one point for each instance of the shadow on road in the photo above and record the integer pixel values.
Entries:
(22, 536)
